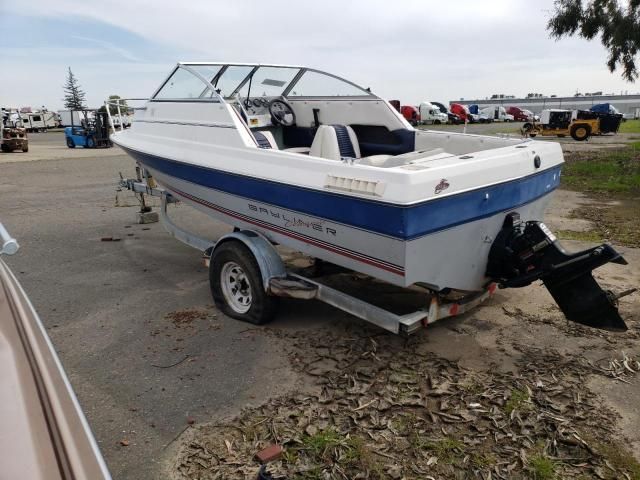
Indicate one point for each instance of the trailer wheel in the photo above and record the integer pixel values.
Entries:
(70, 143)
(580, 132)
(236, 285)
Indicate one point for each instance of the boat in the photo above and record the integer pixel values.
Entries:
(50, 436)
(317, 163)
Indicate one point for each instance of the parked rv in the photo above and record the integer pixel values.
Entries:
(431, 114)
(39, 121)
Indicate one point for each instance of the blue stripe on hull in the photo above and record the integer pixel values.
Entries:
(397, 221)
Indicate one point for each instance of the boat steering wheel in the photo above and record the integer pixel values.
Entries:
(282, 113)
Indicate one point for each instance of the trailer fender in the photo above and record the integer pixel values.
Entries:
(269, 261)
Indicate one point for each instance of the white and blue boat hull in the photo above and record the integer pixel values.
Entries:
(443, 242)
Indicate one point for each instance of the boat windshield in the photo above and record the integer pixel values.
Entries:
(318, 84)
(231, 78)
(268, 81)
(189, 82)
(184, 85)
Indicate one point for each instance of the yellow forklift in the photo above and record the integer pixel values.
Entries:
(561, 123)
(13, 135)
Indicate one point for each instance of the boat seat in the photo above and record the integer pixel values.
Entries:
(265, 139)
(420, 156)
(335, 142)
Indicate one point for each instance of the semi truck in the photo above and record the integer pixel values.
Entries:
(498, 113)
(431, 114)
(461, 111)
(410, 114)
(519, 114)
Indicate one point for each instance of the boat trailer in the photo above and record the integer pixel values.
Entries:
(279, 281)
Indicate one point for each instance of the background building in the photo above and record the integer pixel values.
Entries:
(628, 105)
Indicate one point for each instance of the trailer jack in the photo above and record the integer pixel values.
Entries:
(524, 252)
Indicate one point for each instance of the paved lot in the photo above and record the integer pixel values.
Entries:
(140, 369)
(104, 306)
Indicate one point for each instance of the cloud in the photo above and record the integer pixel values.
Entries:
(411, 50)
(122, 52)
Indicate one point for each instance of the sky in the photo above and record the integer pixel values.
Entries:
(411, 50)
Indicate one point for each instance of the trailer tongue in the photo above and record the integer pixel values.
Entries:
(527, 251)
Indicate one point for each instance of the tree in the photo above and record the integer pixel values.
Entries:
(616, 21)
(74, 96)
(114, 108)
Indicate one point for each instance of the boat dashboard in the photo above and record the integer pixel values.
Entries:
(256, 111)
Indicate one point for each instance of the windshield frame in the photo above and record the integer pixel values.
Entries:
(217, 97)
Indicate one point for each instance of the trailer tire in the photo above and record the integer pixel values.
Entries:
(580, 132)
(70, 143)
(236, 285)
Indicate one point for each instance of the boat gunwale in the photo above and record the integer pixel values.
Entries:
(399, 174)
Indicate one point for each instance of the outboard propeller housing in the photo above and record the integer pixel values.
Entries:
(527, 251)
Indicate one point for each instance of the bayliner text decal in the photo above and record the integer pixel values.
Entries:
(292, 220)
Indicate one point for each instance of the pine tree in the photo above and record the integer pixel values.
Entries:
(74, 96)
(616, 22)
